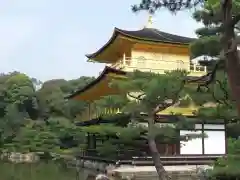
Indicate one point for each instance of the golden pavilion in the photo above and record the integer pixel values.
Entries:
(146, 50)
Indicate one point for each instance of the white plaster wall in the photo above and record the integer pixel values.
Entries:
(193, 146)
(213, 126)
(214, 143)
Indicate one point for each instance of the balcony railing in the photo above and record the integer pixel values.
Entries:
(157, 66)
(92, 113)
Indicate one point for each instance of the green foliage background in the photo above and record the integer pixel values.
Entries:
(36, 119)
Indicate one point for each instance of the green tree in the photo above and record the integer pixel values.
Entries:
(219, 38)
(226, 167)
(209, 42)
(24, 106)
(148, 95)
(18, 89)
(10, 126)
(52, 100)
(226, 12)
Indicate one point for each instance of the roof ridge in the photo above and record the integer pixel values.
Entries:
(173, 34)
(158, 32)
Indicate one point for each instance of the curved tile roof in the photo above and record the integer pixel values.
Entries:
(148, 35)
(154, 35)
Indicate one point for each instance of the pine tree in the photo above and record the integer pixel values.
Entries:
(208, 42)
(219, 38)
(226, 13)
(148, 95)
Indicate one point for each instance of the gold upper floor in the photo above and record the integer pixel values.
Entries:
(147, 50)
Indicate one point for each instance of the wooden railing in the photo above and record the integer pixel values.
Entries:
(92, 113)
(156, 66)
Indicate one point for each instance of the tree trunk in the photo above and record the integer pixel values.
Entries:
(233, 72)
(162, 174)
(231, 53)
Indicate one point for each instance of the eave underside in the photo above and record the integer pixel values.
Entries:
(99, 87)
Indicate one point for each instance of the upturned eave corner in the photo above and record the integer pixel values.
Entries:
(93, 55)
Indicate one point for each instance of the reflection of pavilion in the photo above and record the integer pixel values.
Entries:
(151, 50)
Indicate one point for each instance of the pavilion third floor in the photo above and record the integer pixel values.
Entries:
(147, 50)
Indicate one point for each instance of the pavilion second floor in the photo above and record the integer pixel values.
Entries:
(100, 88)
(130, 64)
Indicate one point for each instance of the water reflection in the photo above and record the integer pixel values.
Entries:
(38, 171)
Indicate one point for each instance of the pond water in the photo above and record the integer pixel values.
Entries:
(38, 171)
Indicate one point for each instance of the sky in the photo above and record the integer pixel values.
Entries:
(48, 39)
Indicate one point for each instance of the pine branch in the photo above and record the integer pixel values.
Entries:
(172, 5)
(205, 80)
(224, 100)
(219, 101)
(226, 95)
(169, 102)
(164, 104)
(209, 31)
(207, 17)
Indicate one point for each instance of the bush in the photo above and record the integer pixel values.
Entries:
(227, 168)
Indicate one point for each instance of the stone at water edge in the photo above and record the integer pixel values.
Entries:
(101, 177)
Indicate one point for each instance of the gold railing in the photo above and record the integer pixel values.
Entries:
(93, 113)
(157, 66)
